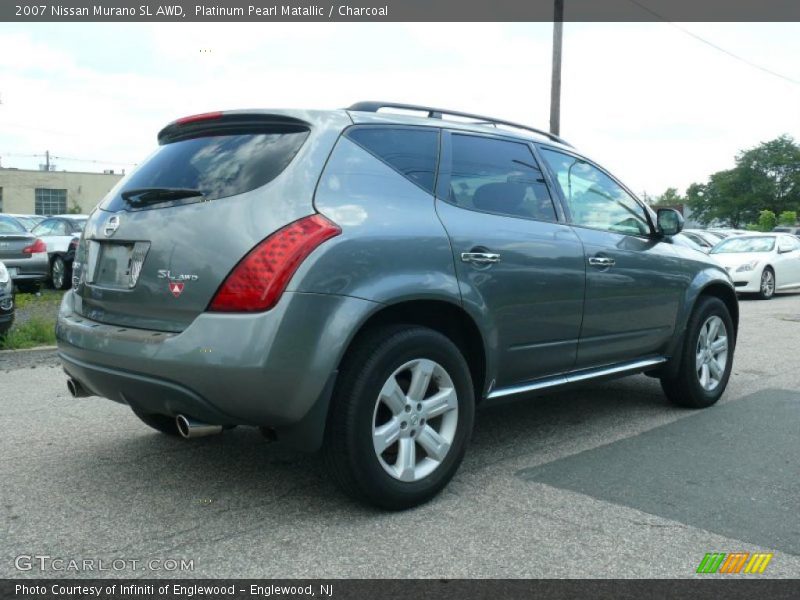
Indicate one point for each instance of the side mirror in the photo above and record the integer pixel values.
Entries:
(669, 221)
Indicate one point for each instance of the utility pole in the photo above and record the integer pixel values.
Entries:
(47, 160)
(555, 81)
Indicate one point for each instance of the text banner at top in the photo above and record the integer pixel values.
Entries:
(397, 10)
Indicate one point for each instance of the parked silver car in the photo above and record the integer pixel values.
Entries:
(24, 255)
(361, 281)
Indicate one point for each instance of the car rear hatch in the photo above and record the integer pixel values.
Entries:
(166, 237)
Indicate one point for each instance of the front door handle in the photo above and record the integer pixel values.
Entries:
(480, 258)
(602, 262)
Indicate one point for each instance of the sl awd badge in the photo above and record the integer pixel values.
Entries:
(176, 281)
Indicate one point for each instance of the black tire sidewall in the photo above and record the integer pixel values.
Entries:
(708, 307)
(406, 345)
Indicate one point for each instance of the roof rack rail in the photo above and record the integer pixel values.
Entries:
(437, 113)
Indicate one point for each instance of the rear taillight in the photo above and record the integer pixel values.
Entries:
(35, 248)
(257, 282)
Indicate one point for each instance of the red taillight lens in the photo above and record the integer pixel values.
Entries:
(257, 282)
(35, 248)
(209, 116)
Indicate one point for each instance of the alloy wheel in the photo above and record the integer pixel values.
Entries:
(712, 353)
(415, 420)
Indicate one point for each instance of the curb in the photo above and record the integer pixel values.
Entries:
(34, 349)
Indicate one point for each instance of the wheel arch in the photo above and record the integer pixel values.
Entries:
(448, 318)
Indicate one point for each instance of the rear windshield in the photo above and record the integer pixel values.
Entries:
(219, 166)
(11, 226)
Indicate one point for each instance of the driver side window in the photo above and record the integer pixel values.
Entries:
(594, 199)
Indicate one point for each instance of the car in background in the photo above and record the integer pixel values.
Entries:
(703, 239)
(24, 255)
(27, 221)
(690, 241)
(790, 229)
(61, 234)
(726, 233)
(761, 263)
(6, 301)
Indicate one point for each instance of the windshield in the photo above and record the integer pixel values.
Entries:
(745, 244)
(11, 226)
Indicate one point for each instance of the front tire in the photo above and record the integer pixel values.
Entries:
(401, 417)
(767, 287)
(706, 359)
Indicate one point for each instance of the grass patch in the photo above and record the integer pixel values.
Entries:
(36, 331)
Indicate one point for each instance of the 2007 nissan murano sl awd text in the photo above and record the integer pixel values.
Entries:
(360, 280)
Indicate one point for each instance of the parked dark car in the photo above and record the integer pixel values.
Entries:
(6, 301)
(24, 255)
(361, 281)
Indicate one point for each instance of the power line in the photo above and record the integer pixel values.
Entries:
(85, 160)
(750, 63)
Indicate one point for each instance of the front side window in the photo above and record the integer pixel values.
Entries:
(594, 199)
(411, 152)
(50, 202)
(498, 176)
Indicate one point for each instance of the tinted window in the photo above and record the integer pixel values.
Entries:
(10, 226)
(500, 177)
(412, 152)
(594, 199)
(219, 166)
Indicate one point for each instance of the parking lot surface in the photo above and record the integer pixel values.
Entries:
(608, 481)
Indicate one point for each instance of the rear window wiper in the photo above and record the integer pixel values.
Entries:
(154, 195)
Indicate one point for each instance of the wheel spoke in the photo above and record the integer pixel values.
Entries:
(406, 459)
(386, 435)
(713, 328)
(716, 371)
(443, 401)
(704, 375)
(699, 360)
(719, 345)
(434, 444)
(392, 396)
(421, 374)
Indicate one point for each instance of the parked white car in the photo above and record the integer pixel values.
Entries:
(761, 263)
(61, 234)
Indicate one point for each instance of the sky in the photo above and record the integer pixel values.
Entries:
(655, 106)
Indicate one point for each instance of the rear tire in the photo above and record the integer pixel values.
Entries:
(430, 378)
(704, 368)
(161, 423)
(766, 289)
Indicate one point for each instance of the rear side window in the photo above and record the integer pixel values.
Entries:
(411, 152)
(499, 177)
(10, 226)
(217, 165)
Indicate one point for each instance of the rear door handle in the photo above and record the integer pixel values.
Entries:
(602, 262)
(480, 258)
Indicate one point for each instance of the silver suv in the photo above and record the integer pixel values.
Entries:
(360, 281)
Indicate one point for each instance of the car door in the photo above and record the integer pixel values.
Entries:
(520, 267)
(635, 280)
(787, 262)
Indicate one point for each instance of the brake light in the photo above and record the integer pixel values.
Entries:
(258, 281)
(36, 247)
(209, 116)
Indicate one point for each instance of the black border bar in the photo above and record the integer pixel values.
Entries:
(395, 10)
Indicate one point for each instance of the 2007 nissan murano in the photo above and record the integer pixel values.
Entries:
(360, 280)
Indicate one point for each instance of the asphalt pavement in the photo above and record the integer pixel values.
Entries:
(604, 482)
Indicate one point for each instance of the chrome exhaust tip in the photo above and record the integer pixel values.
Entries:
(76, 390)
(189, 428)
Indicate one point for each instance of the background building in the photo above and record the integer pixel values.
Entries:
(53, 192)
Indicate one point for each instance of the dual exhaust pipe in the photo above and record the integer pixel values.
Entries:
(187, 427)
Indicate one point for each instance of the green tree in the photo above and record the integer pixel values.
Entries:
(765, 177)
(787, 217)
(670, 198)
(766, 220)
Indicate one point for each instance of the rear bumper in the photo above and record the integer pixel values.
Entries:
(36, 268)
(273, 369)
